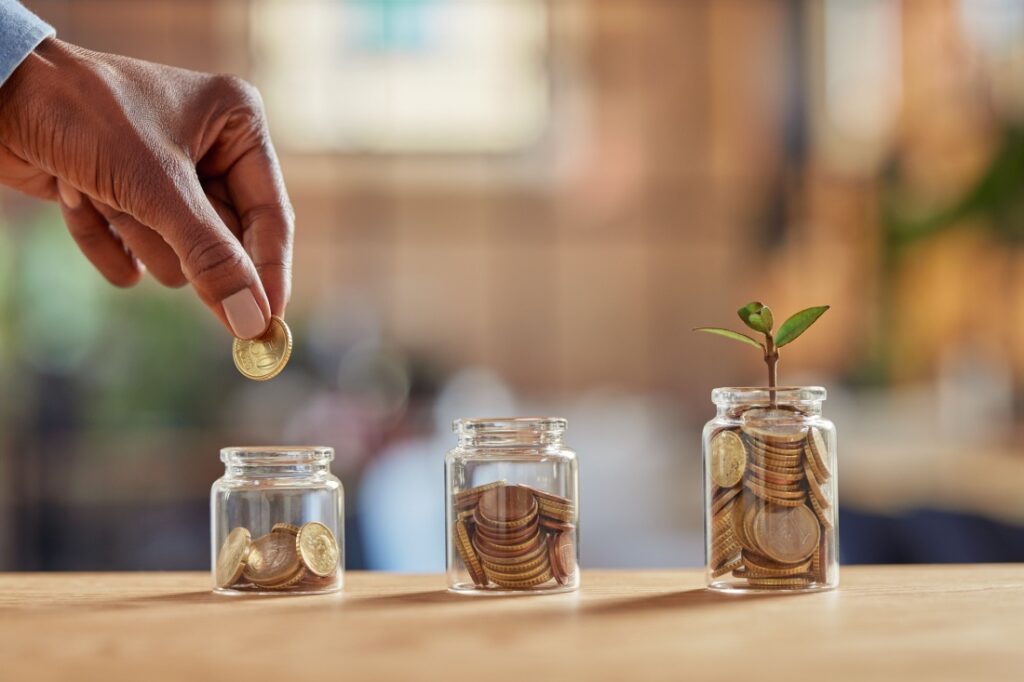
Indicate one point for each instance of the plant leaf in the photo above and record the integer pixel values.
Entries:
(761, 321)
(729, 334)
(798, 324)
(767, 318)
(752, 308)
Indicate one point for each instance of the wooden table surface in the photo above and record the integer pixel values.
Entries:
(962, 623)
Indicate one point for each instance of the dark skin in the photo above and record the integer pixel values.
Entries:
(155, 168)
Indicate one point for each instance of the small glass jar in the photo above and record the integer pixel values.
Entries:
(277, 522)
(512, 506)
(771, 510)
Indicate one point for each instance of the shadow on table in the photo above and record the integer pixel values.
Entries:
(698, 598)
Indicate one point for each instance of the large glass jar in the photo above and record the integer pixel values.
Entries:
(277, 521)
(512, 505)
(771, 511)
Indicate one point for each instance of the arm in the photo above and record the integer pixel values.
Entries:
(155, 168)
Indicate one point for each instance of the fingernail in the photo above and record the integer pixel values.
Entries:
(244, 314)
(70, 196)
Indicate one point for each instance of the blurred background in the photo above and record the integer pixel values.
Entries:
(523, 207)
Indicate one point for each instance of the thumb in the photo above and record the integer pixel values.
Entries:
(212, 259)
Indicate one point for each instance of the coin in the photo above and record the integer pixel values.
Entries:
(285, 527)
(318, 548)
(779, 583)
(769, 476)
(525, 584)
(550, 497)
(503, 527)
(510, 560)
(725, 568)
(785, 499)
(466, 499)
(264, 357)
(776, 435)
(722, 499)
(464, 547)
(821, 513)
(817, 492)
(817, 448)
(232, 557)
(511, 538)
(787, 535)
(557, 511)
(563, 558)
(506, 504)
(763, 567)
(273, 559)
(728, 459)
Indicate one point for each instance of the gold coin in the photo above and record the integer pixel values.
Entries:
(769, 476)
(728, 459)
(557, 512)
(520, 574)
(525, 584)
(779, 436)
(232, 557)
(468, 555)
(719, 502)
(787, 535)
(785, 499)
(817, 492)
(273, 559)
(731, 566)
(264, 357)
(763, 567)
(466, 499)
(822, 514)
(777, 583)
(817, 448)
(285, 528)
(299, 576)
(318, 548)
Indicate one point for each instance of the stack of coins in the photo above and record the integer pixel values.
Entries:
(289, 557)
(771, 510)
(515, 537)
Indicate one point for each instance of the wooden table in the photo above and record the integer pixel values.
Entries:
(963, 623)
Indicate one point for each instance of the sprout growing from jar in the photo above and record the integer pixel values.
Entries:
(759, 318)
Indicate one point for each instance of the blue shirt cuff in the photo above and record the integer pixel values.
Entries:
(20, 33)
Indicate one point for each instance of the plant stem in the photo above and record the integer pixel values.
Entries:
(771, 358)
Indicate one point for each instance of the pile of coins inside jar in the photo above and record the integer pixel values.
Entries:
(289, 557)
(772, 517)
(515, 537)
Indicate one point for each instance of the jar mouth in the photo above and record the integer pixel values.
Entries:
(482, 425)
(759, 395)
(277, 455)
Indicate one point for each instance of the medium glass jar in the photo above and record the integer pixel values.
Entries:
(512, 506)
(277, 522)
(771, 510)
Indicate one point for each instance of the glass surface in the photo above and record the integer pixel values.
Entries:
(269, 492)
(770, 481)
(512, 505)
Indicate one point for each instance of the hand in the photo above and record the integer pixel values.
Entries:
(155, 168)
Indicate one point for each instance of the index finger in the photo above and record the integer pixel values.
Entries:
(267, 221)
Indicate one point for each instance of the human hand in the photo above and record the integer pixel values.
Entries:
(155, 168)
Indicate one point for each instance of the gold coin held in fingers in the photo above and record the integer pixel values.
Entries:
(728, 459)
(232, 557)
(318, 548)
(264, 357)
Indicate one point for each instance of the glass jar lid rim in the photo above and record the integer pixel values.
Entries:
(760, 394)
(478, 424)
(277, 454)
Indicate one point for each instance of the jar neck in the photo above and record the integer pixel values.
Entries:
(504, 433)
(781, 402)
(277, 462)
(276, 470)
